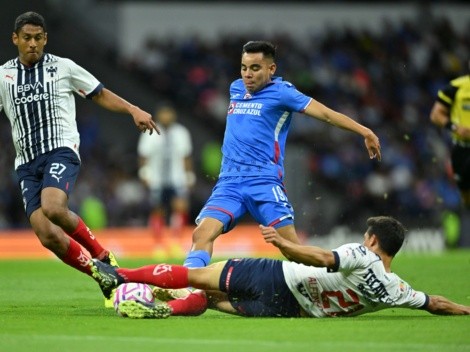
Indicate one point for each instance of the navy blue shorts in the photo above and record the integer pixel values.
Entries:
(257, 288)
(264, 198)
(58, 168)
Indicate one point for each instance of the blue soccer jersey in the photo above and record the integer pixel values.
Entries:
(257, 126)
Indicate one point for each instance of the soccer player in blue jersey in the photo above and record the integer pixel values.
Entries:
(37, 95)
(252, 170)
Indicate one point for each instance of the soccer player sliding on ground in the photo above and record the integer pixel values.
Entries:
(350, 280)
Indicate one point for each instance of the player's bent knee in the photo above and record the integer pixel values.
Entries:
(53, 241)
(54, 213)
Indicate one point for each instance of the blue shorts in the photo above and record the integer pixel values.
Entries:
(58, 168)
(263, 197)
(257, 288)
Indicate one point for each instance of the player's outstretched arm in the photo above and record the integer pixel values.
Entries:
(113, 102)
(321, 112)
(443, 306)
(308, 255)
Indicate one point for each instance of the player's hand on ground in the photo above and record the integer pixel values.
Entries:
(373, 146)
(143, 120)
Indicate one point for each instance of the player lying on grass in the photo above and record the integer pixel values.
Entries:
(350, 280)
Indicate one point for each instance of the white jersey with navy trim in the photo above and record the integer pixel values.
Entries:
(40, 104)
(358, 284)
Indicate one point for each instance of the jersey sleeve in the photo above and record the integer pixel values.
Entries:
(83, 82)
(446, 95)
(409, 298)
(352, 256)
(292, 99)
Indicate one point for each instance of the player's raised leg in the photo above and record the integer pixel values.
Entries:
(166, 276)
(161, 275)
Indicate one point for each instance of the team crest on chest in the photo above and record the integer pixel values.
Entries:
(52, 70)
(231, 107)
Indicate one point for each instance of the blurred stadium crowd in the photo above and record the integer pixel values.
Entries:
(388, 81)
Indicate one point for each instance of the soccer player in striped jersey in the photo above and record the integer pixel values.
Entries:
(252, 170)
(37, 95)
(351, 280)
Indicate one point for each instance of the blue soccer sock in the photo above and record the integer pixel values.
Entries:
(197, 259)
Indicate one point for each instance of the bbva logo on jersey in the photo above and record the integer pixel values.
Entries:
(29, 93)
(22, 88)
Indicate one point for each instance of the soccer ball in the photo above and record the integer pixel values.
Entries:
(133, 291)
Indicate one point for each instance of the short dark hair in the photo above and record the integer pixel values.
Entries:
(260, 46)
(29, 17)
(389, 231)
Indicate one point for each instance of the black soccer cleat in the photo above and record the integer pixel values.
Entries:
(106, 276)
(109, 295)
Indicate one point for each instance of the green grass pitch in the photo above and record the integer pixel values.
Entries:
(47, 306)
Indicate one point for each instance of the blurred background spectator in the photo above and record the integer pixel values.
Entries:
(166, 170)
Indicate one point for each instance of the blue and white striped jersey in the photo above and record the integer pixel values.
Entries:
(40, 104)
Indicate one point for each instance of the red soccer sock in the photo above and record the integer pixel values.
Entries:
(161, 275)
(76, 258)
(193, 304)
(85, 237)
